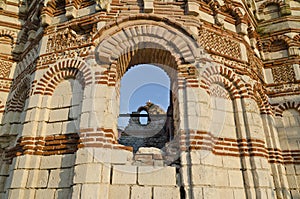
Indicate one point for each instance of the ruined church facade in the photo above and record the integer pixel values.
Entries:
(233, 124)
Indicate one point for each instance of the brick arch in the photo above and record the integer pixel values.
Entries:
(17, 102)
(234, 11)
(296, 38)
(63, 70)
(8, 33)
(287, 40)
(261, 8)
(129, 38)
(261, 99)
(280, 108)
(227, 77)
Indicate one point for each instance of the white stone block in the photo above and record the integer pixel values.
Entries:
(45, 193)
(119, 191)
(87, 173)
(29, 162)
(60, 178)
(201, 175)
(84, 155)
(37, 178)
(124, 174)
(166, 192)
(235, 178)
(51, 162)
(67, 160)
(59, 115)
(106, 170)
(62, 193)
(138, 192)
(15, 193)
(121, 156)
(76, 191)
(148, 175)
(91, 191)
(102, 155)
(19, 178)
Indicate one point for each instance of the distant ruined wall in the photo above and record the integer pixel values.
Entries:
(234, 72)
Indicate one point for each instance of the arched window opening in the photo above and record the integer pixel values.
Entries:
(145, 118)
(271, 11)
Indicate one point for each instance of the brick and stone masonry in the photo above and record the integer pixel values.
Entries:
(233, 125)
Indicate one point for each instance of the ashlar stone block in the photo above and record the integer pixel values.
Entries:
(138, 192)
(119, 191)
(60, 178)
(124, 174)
(148, 175)
(37, 178)
(87, 173)
(166, 192)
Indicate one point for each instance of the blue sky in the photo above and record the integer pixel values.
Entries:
(140, 84)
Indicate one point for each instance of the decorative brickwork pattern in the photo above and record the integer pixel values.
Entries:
(283, 74)
(5, 68)
(219, 44)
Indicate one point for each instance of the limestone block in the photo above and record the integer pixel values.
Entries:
(34, 101)
(166, 192)
(71, 12)
(148, 6)
(201, 175)
(106, 170)
(124, 174)
(70, 127)
(76, 191)
(148, 175)
(37, 178)
(15, 193)
(90, 191)
(102, 155)
(211, 159)
(121, 156)
(193, 8)
(222, 178)
(211, 193)
(51, 162)
(235, 178)
(29, 193)
(87, 173)
(62, 193)
(196, 191)
(75, 112)
(67, 160)
(29, 162)
(46, 20)
(138, 192)
(19, 178)
(59, 115)
(45, 193)
(239, 193)
(242, 28)
(231, 162)
(192, 157)
(60, 178)
(84, 155)
(119, 191)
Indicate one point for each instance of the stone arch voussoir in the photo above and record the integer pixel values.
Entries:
(146, 35)
(221, 75)
(65, 69)
(280, 108)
